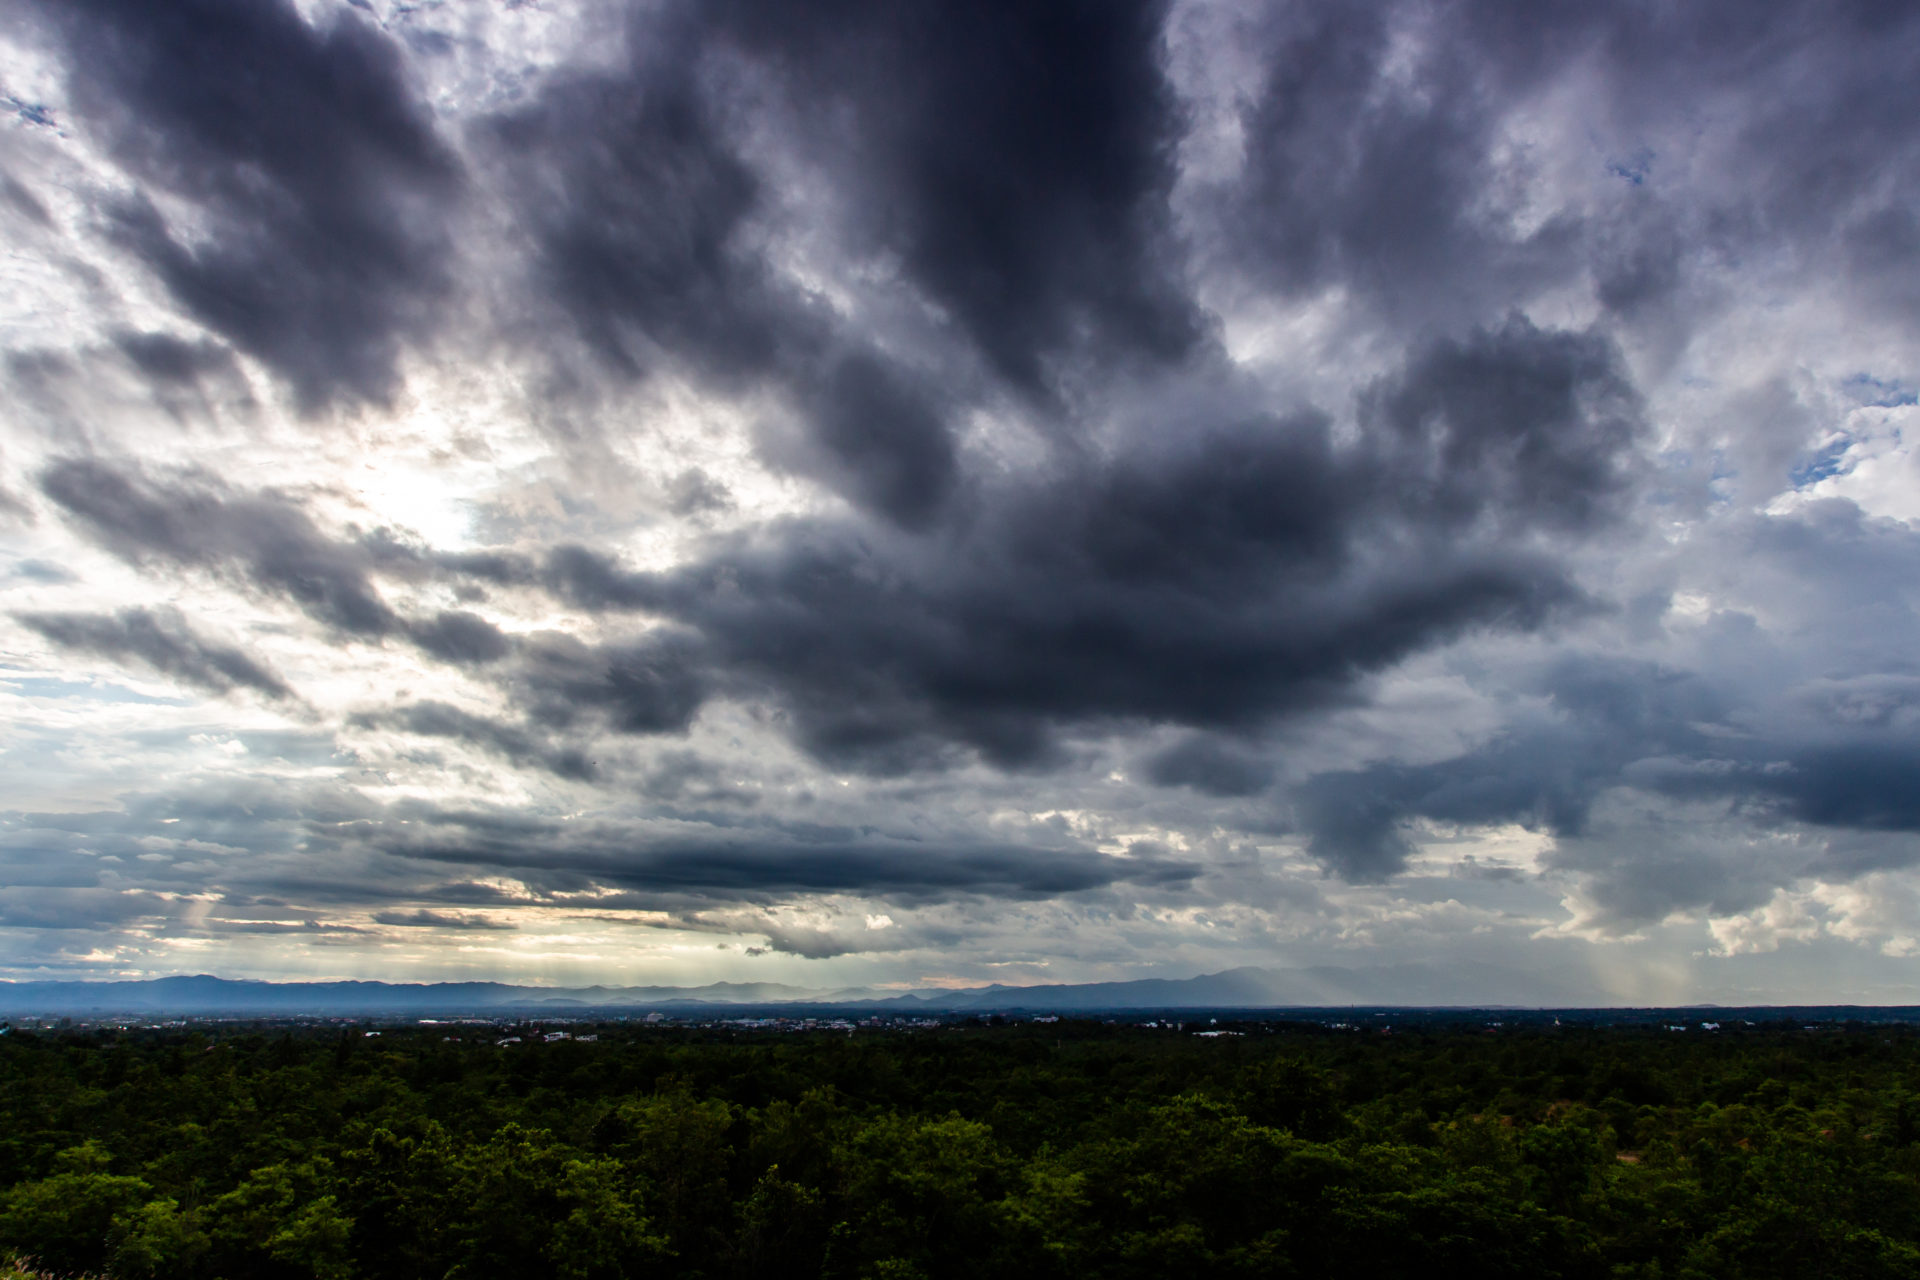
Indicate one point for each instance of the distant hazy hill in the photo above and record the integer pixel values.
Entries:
(1249, 988)
(203, 994)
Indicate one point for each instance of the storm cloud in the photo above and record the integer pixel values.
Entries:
(317, 181)
(162, 640)
(1239, 571)
(270, 544)
(765, 863)
(960, 492)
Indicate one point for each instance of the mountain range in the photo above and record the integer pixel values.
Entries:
(1319, 986)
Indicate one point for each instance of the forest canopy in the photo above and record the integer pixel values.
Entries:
(1072, 1149)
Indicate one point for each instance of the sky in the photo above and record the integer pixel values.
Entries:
(938, 494)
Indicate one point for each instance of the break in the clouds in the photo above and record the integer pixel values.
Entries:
(952, 492)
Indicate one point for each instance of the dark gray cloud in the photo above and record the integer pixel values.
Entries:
(274, 545)
(1212, 766)
(1832, 169)
(654, 686)
(878, 438)
(20, 200)
(769, 861)
(269, 543)
(1868, 785)
(635, 198)
(1353, 178)
(318, 175)
(1516, 424)
(695, 493)
(439, 920)
(684, 776)
(639, 204)
(172, 360)
(439, 720)
(455, 635)
(324, 846)
(1239, 571)
(1013, 164)
(1546, 774)
(1017, 160)
(89, 908)
(1388, 169)
(162, 640)
(1685, 737)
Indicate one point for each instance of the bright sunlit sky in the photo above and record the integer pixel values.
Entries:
(946, 493)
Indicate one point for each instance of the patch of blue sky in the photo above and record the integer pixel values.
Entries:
(45, 571)
(1721, 474)
(1633, 168)
(1677, 462)
(1829, 460)
(1881, 393)
(31, 112)
(94, 691)
(287, 746)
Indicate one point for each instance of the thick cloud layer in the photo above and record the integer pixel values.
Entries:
(161, 640)
(1017, 159)
(1006, 492)
(1241, 571)
(267, 544)
(311, 170)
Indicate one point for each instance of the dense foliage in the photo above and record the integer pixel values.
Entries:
(1068, 1150)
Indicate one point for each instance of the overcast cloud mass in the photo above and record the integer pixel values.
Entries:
(945, 493)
